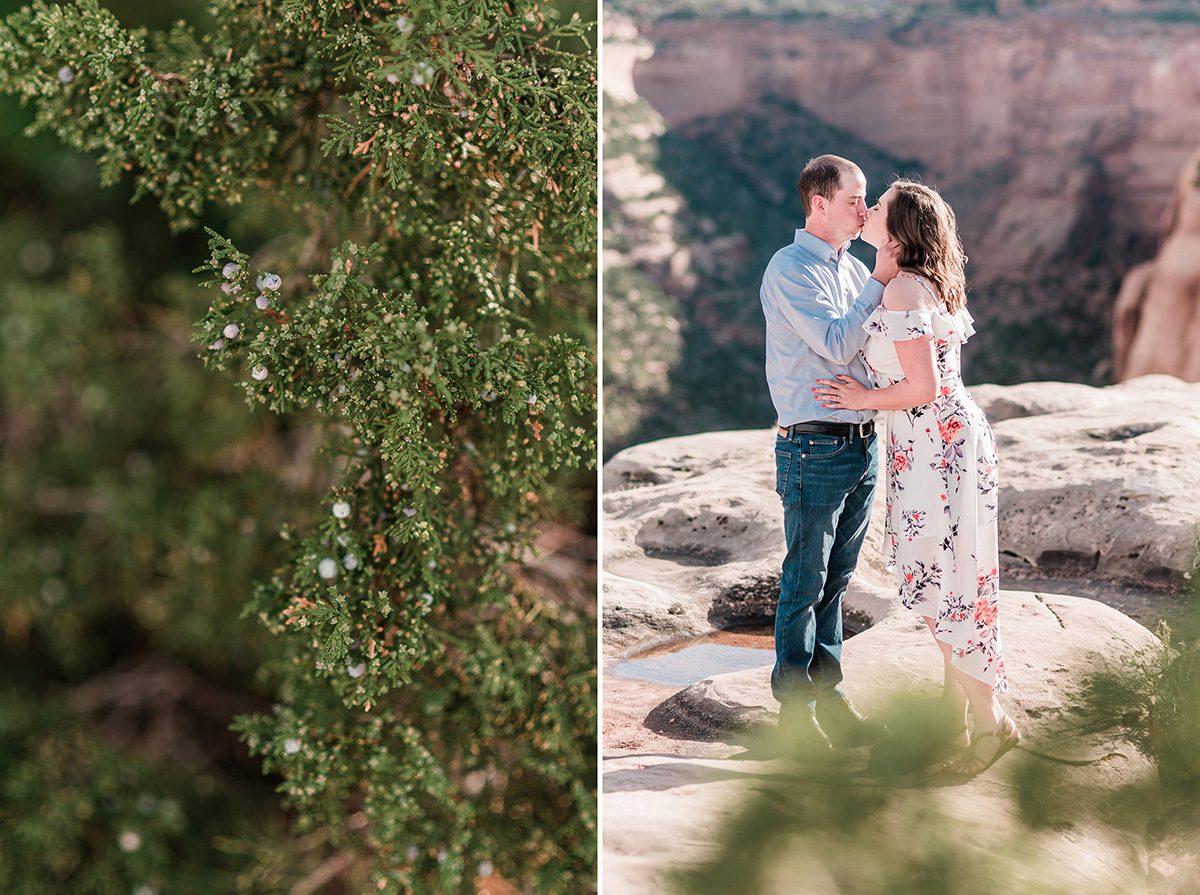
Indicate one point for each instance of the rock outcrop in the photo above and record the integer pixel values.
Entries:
(1096, 484)
(1105, 490)
(692, 540)
(1156, 325)
(1056, 133)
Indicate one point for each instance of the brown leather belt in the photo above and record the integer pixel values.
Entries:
(814, 427)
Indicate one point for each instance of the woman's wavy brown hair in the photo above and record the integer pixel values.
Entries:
(922, 222)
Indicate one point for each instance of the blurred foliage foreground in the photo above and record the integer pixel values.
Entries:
(347, 575)
(1049, 819)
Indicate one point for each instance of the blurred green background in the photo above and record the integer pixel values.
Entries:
(142, 500)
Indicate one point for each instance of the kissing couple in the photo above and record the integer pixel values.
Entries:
(848, 349)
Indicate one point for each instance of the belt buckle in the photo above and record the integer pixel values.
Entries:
(859, 429)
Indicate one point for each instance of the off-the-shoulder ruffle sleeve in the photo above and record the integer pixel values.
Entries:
(904, 326)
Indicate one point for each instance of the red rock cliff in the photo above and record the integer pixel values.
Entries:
(1156, 326)
(1030, 115)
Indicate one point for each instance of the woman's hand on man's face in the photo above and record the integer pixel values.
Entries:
(887, 261)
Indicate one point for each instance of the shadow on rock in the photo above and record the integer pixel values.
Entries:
(751, 602)
(697, 713)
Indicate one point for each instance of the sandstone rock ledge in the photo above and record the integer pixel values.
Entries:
(665, 799)
(1097, 484)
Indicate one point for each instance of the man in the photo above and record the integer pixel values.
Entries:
(815, 297)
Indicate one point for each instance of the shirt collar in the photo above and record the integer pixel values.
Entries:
(818, 247)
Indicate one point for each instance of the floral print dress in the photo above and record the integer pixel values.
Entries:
(941, 530)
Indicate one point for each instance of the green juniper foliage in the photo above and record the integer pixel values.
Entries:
(428, 172)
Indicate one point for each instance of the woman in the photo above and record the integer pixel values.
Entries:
(941, 462)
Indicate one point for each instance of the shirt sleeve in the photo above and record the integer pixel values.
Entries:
(796, 300)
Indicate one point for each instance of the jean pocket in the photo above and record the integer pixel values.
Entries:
(820, 447)
(783, 472)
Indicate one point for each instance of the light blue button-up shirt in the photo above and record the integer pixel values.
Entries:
(815, 302)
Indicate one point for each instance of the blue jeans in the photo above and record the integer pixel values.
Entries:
(826, 483)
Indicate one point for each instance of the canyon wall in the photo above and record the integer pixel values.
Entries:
(1058, 136)
(1029, 120)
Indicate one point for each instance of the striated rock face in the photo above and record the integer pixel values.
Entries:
(641, 252)
(1035, 116)
(1156, 326)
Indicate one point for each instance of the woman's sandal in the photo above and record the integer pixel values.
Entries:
(969, 763)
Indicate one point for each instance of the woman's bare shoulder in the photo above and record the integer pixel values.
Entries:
(906, 293)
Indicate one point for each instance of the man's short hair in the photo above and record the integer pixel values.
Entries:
(822, 176)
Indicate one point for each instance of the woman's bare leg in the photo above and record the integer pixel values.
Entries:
(994, 730)
(984, 704)
(952, 690)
